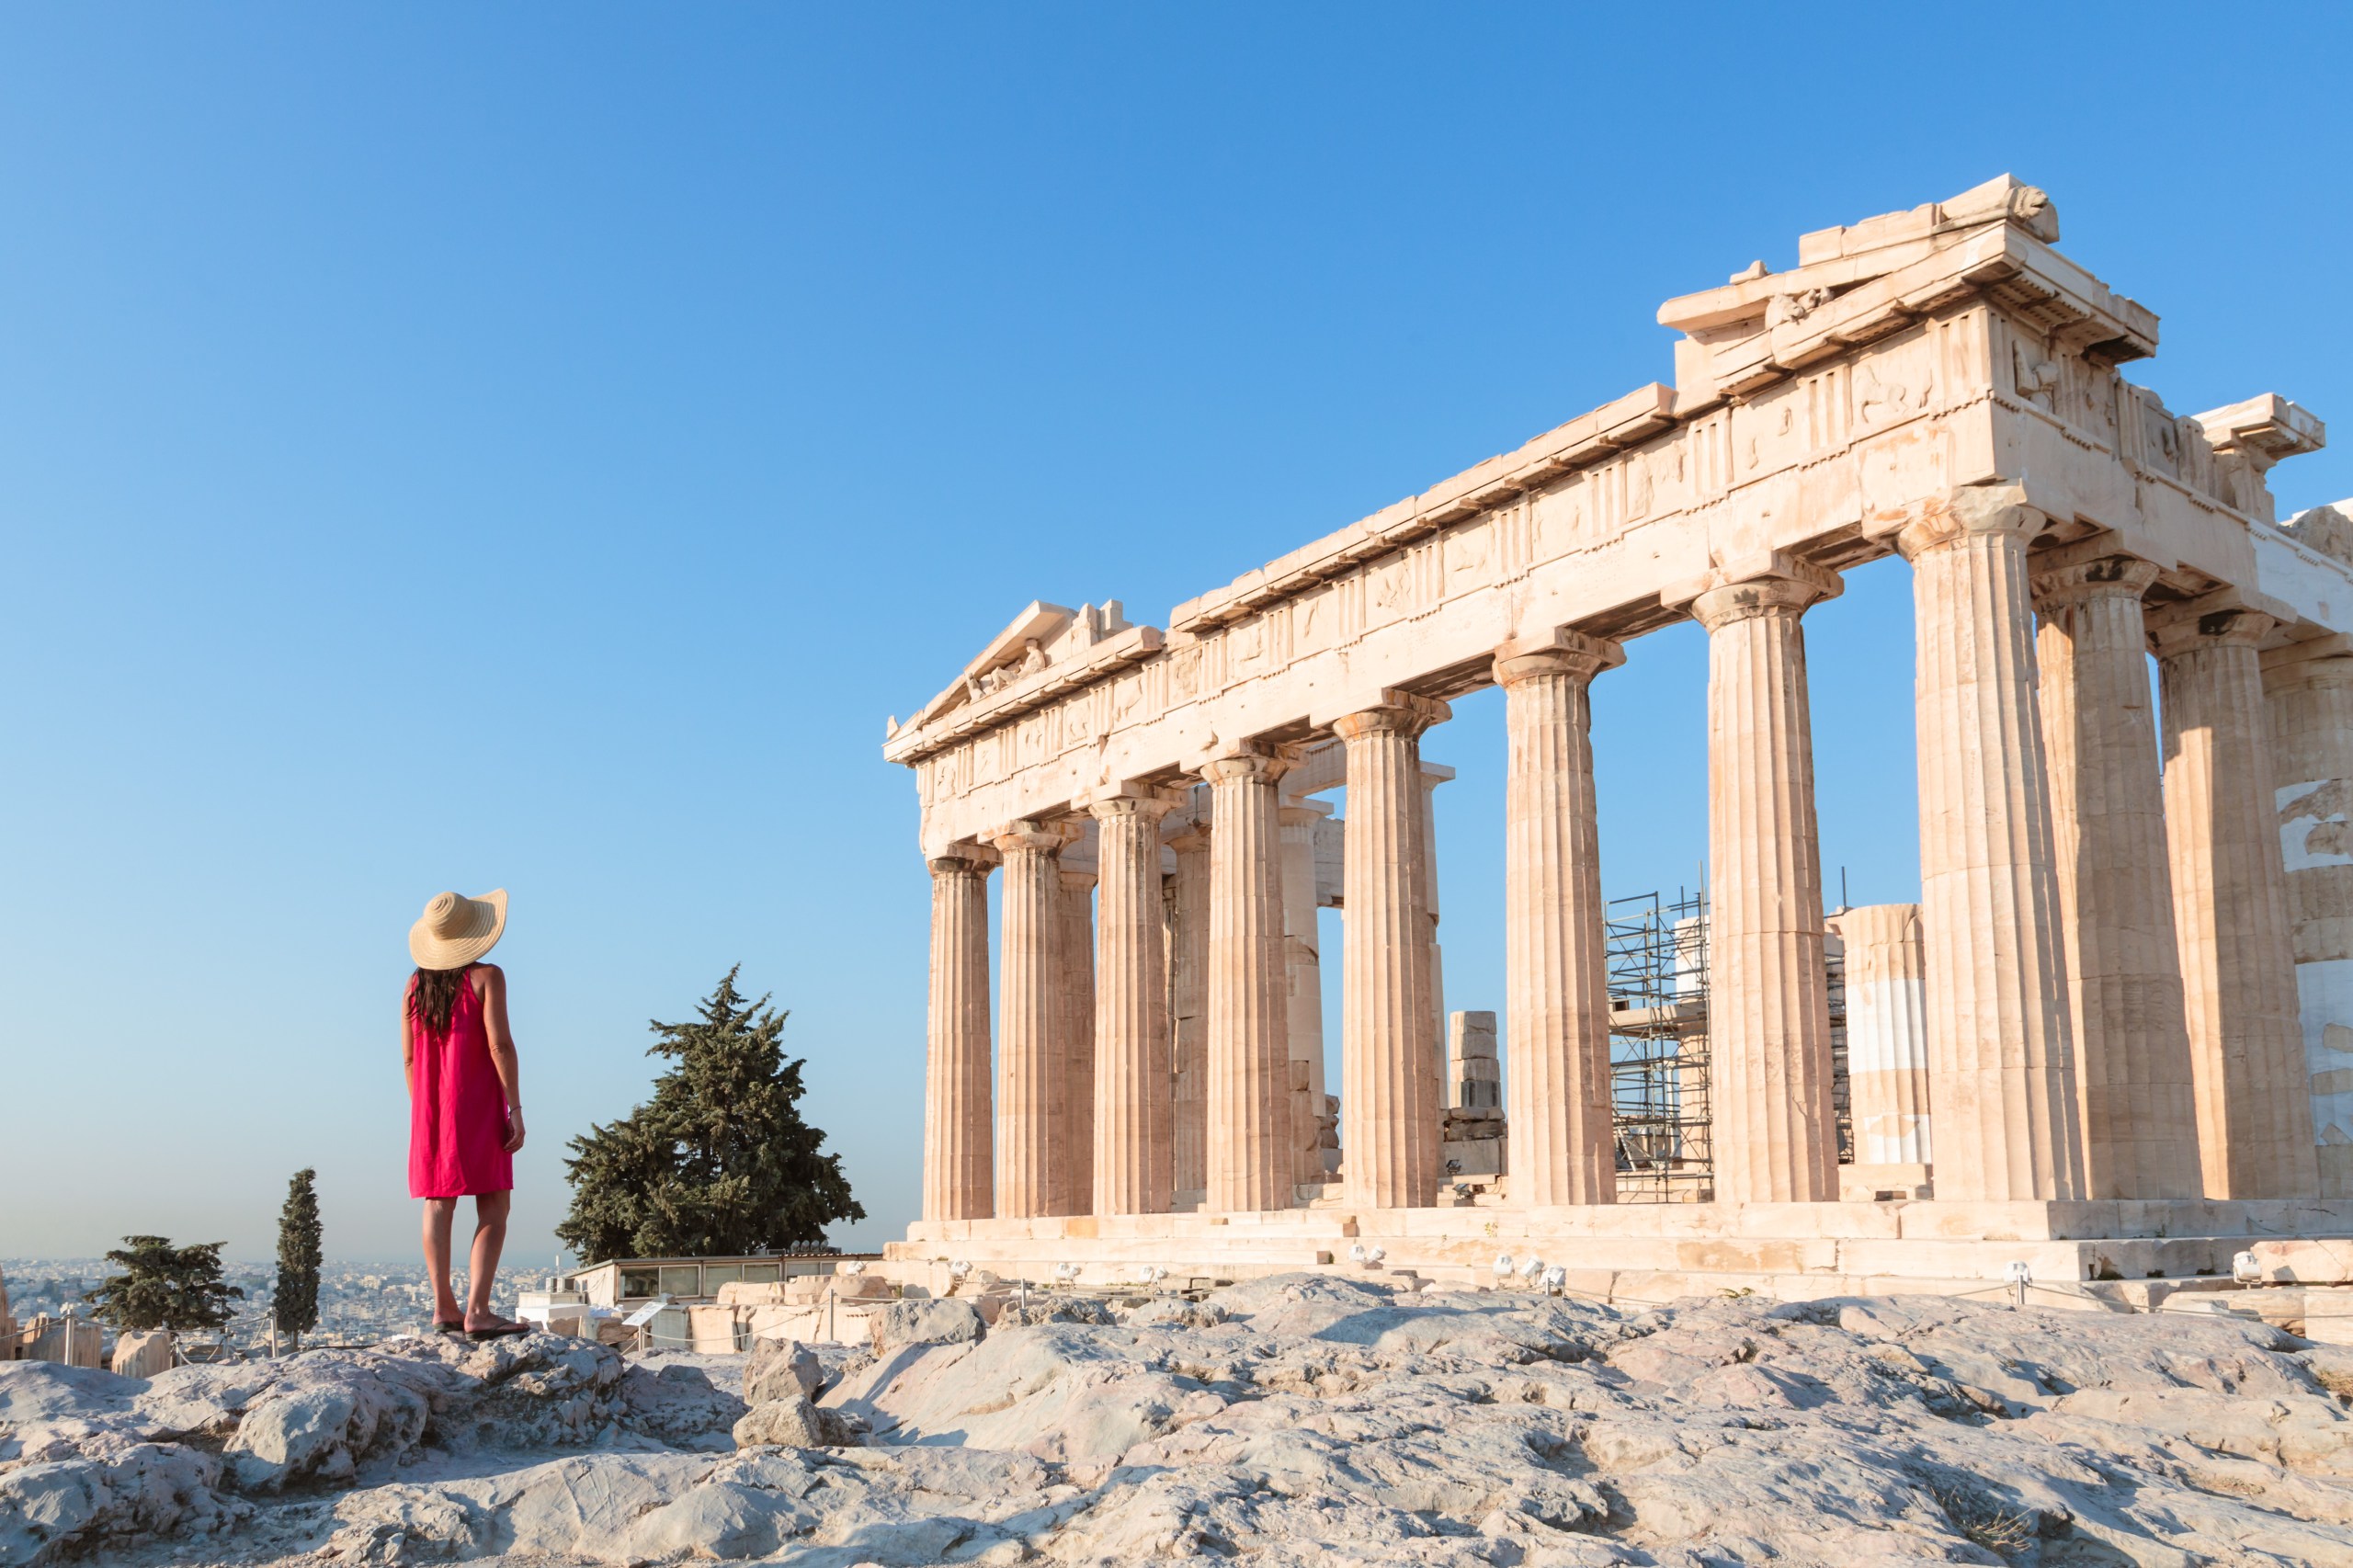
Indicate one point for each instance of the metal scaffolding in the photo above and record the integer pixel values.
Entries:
(1657, 963)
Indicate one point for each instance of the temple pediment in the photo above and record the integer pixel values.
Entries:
(1034, 641)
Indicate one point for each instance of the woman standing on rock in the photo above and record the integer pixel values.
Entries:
(465, 1098)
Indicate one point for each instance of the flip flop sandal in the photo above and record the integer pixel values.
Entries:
(455, 1326)
(503, 1330)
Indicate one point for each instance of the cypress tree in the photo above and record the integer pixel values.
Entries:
(162, 1286)
(295, 1306)
(719, 1160)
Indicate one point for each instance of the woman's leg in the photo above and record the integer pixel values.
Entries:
(438, 1212)
(490, 1239)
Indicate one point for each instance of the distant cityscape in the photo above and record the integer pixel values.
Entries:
(360, 1304)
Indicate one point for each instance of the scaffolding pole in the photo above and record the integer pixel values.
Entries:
(1657, 965)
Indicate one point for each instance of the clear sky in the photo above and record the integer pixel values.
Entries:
(537, 446)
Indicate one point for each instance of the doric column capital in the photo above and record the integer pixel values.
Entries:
(1570, 654)
(1130, 804)
(1076, 881)
(1786, 588)
(2219, 620)
(1398, 713)
(2111, 576)
(1194, 838)
(1262, 764)
(1039, 837)
(961, 865)
(1970, 509)
(1302, 814)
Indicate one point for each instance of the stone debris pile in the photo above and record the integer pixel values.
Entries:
(1290, 1420)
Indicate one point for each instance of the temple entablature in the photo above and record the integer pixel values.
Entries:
(1907, 359)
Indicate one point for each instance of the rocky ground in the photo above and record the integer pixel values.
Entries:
(1297, 1419)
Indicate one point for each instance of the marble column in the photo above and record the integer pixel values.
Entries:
(1074, 1138)
(2001, 1050)
(1029, 1013)
(2124, 993)
(1887, 1033)
(1189, 1018)
(1250, 1162)
(956, 1141)
(1389, 1096)
(1775, 1139)
(1304, 984)
(1432, 777)
(2308, 698)
(2230, 890)
(1557, 1014)
(1135, 1108)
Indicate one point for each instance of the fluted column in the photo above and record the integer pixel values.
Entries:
(956, 1141)
(2308, 698)
(1189, 1022)
(2001, 1051)
(1887, 1034)
(1389, 1099)
(1434, 990)
(1028, 1012)
(1557, 1016)
(1074, 1135)
(2230, 889)
(1303, 985)
(1769, 1003)
(1250, 1163)
(2107, 823)
(1135, 1111)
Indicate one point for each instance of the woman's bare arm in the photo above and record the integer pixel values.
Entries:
(501, 1050)
(408, 1049)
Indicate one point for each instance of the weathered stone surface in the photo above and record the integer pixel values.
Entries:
(788, 1421)
(88, 1457)
(1289, 1419)
(938, 1320)
(775, 1367)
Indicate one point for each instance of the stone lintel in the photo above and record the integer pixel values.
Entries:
(2315, 660)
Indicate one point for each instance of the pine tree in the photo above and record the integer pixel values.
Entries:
(162, 1286)
(294, 1307)
(719, 1162)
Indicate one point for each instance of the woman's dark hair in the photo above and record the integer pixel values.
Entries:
(433, 995)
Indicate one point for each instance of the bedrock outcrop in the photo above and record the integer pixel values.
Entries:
(1294, 1420)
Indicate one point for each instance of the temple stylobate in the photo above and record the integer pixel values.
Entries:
(2107, 1040)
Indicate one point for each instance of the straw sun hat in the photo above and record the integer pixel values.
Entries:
(455, 930)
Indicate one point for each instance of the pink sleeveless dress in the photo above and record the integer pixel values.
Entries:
(457, 1117)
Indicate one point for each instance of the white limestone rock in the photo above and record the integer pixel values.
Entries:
(1304, 1420)
(925, 1321)
(81, 1505)
(788, 1422)
(773, 1368)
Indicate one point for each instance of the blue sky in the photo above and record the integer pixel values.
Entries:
(536, 446)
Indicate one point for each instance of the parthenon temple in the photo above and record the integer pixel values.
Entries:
(2109, 1042)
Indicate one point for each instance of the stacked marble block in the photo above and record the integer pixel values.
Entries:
(1473, 1141)
(1887, 1052)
